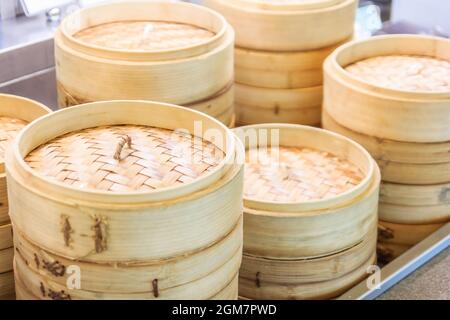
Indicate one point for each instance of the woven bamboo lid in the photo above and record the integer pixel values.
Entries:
(404, 72)
(9, 129)
(125, 158)
(144, 35)
(296, 174)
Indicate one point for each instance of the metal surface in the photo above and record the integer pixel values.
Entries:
(403, 266)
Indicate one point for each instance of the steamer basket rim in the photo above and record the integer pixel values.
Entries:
(232, 149)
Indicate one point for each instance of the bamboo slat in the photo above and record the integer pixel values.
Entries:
(6, 239)
(6, 285)
(415, 195)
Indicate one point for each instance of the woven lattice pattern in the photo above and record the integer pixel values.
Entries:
(412, 73)
(9, 129)
(125, 158)
(297, 175)
(144, 35)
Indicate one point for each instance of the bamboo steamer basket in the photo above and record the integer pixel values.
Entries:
(305, 291)
(261, 105)
(407, 214)
(21, 109)
(405, 234)
(280, 70)
(408, 116)
(185, 74)
(294, 28)
(97, 226)
(410, 195)
(304, 271)
(402, 162)
(310, 228)
(6, 239)
(6, 285)
(137, 278)
(25, 293)
(202, 289)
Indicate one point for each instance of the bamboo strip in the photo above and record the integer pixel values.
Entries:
(6, 258)
(6, 239)
(6, 285)
(405, 234)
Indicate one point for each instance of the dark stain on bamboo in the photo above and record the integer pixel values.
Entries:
(100, 235)
(155, 288)
(66, 230)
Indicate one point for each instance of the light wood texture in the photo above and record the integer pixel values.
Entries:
(407, 214)
(415, 195)
(402, 162)
(284, 5)
(6, 239)
(201, 289)
(135, 278)
(310, 228)
(96, 226)
(382, 112)
(287, 30)
(230, 292)
(393, 151)
(6, 285)
(6, 258)
(304, 271)
(280, 70)
(23, 109)
(184, 75)
(261, 105)
(405, 234)
(316, 290)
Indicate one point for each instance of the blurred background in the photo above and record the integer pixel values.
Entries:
(27, 27)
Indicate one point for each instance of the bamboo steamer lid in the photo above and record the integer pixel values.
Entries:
(293, 28)
(95, 220)
(405, 234)
(284, 217)
(133, 278)
(382, 112)
(402, 162)
(308, 291)
(15, 113)
(154, 53)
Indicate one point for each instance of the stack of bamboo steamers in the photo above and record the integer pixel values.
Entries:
(15, 113)
(170, 52)
(392, 95)
(310, 213)
(120, 204)
(280, 49)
